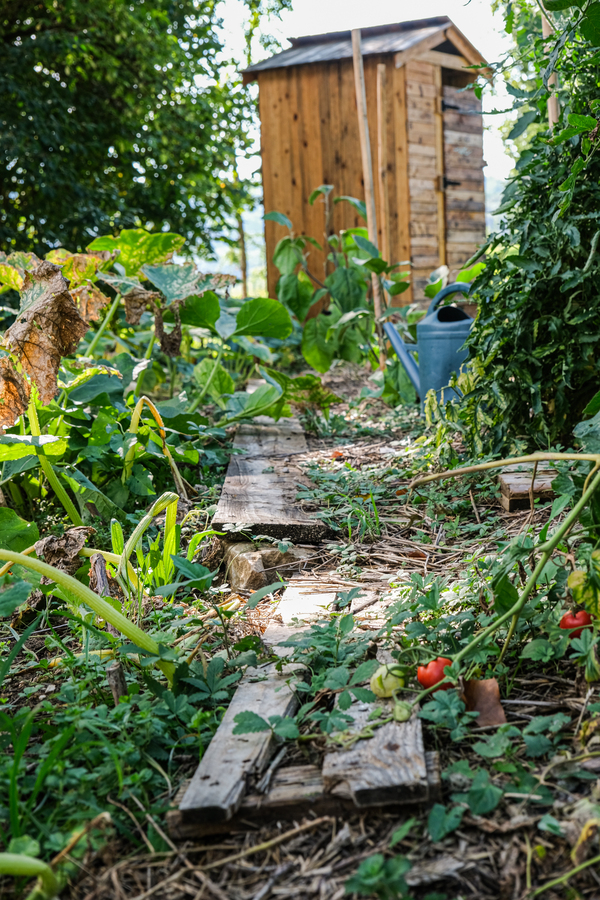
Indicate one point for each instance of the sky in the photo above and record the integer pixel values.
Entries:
(474, 18)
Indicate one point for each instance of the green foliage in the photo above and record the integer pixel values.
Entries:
(534, 349)
(380, 877)
(117, 115)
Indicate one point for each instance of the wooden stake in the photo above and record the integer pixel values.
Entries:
(116, 681)
(367, 165)
(553, 107)
(384, 201)
(440, 167)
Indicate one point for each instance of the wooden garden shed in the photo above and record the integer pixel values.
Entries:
(433, 145)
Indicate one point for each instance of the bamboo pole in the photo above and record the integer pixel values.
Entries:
(553, 107)
(367, 165)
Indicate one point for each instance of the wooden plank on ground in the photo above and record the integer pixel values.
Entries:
(295, 792)
(515, 485)
(262, 483)
(386, 768)
(218, 786)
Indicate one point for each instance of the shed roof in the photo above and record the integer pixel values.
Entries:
(338, 44)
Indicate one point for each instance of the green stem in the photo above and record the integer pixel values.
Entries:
(198, 400)
(516, 609)
(28, 867)
(562, 878)
(48, 470)
(147, 355)
(497, 464)
(85, 595)
(95, 340)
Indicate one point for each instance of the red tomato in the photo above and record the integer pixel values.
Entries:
(433, 672)
(572, 620)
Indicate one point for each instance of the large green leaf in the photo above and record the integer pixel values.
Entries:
(139, 247)
(288, 254)
(221, 381)
(174, 282)
(316, 349)
(199, 311)
(91, 499)
(15, 533)
(258, 403)
(298, 293)
(13, 596)
(348, 287)
(15, 446)
(264, 317)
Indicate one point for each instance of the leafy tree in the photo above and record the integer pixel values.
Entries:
(115, 114)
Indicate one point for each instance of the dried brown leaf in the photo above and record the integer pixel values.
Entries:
(170, 342)
(484, 697)
(136, 302)
(48, 328)
(63, 552)
(14, 394)
(89, 300)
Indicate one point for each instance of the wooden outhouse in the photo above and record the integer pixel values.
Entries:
(434, 141)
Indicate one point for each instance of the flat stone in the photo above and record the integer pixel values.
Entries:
(249, 568)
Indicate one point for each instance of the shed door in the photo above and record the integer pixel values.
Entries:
(463, 172)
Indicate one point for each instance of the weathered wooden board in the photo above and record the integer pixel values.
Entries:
(220, 782)
(386, 768)
(262, 483)
(295, 792)
(515, 485)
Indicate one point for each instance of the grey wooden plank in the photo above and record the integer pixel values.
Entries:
(515, 485)
(386, 768)
(261, 484)
(218, 786)
(296, 791)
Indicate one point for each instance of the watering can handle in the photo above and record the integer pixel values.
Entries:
(463, 286)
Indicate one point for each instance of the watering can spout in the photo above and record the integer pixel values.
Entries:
(404, 356)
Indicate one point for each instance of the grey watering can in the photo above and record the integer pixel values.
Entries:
(440, 338)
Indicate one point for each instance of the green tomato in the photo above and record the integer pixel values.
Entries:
(386, 680)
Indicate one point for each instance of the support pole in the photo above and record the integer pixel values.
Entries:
(367, 165)
(553, 107)
(382, 161)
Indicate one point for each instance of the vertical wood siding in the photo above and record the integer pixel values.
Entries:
(309, 137)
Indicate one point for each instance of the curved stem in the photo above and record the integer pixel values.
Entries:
(105, 322)
(48, 469)
(511, 461)
(19, 865)
(85, 595)
(198, 400)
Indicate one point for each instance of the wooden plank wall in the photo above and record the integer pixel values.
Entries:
(421, 92)
(309, 136)
(463, 153)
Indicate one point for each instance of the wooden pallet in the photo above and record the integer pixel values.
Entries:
(515, 485)
(390, 769)
(262, 483)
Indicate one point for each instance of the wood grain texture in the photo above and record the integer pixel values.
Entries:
(262, 482)
(218, 786)
(295, 792)
(515, 485)
(387, 768)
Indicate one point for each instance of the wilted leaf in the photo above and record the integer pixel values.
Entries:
(170, 341)
(14, 394)
(63, 552)
(483, 697)
(48, 327)
(77, 267)
(136, 301)
(89, 300)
